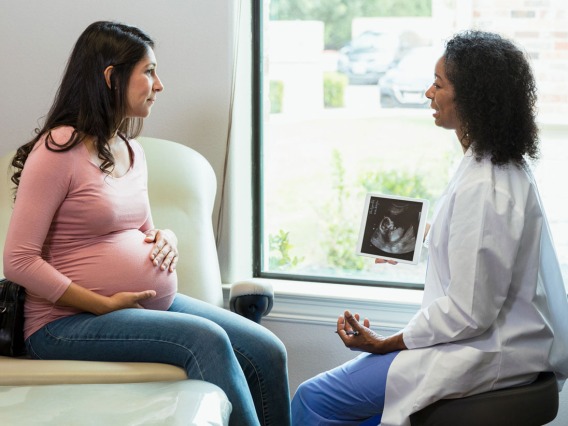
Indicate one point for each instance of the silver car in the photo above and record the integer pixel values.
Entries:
(405, 84)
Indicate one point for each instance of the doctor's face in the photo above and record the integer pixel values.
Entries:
(441, 95)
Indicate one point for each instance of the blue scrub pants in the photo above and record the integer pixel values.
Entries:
(212, 344)
(351, 394)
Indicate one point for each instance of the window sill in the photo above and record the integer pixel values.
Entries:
(388, 309)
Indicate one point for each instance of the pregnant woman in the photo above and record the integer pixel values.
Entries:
(100, 280)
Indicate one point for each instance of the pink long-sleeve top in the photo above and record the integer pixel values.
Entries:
(73, 223)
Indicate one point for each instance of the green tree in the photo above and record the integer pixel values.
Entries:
(338, 14)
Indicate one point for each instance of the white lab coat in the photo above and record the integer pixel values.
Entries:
(494, 312)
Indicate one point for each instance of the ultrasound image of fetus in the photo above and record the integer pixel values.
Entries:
(396, 232)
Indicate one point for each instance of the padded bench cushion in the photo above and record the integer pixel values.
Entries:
(23, 372)
(183, 402)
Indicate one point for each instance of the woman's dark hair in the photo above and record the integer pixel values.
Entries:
(84, 101)
(495, 96)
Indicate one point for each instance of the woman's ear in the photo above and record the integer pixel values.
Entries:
(108, 72)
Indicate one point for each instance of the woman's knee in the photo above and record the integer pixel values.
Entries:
(207, 333)
(198, 338)
(277, 350)
(264, 345)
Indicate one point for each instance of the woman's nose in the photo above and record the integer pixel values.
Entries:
(429, 92)
(158, 86)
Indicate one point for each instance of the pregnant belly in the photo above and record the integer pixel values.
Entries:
(116, 263)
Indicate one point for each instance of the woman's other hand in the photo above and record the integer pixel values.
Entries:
(164, 254)
(88, 301)
(125, 300)
(359, 337)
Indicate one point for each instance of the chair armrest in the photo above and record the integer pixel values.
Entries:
(251, 299)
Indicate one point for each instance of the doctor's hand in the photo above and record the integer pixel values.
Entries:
(392, 262)
(359, 337)
(164, 254)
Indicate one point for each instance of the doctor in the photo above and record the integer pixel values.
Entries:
(494, 312)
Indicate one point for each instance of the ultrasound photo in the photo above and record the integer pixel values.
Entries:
(391, 227)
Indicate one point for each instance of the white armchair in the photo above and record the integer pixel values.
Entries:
(182, 187)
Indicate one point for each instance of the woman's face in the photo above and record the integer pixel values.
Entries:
(441, 95)
(142, 87)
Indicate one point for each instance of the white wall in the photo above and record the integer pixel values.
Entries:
(195, 48)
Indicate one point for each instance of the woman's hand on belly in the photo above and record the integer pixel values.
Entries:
(88, 301)
(120, 262)
(164, 254)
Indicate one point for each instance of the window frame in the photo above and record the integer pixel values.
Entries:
(257, 137)
(258, 208)
(257, 29)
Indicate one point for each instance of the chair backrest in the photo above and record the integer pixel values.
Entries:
(182, 187)
(5, 201)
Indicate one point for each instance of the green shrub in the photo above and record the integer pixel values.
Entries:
(276, 92)
(334, 89)
(279, 258)
(395, 182)
(342, 230)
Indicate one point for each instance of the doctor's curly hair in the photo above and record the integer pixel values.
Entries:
(495, 96)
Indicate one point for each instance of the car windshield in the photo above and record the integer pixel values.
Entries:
(417, 59)
(374, 41)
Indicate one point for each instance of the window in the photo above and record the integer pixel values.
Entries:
(340, 111)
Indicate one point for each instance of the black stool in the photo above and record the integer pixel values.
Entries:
(534, 404)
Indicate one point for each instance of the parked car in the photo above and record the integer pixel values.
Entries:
(405, 84)
(368, 56)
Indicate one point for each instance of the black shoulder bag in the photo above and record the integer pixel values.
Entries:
(12, 298)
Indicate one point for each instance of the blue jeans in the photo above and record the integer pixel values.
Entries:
(349, 395)
(212, 344)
